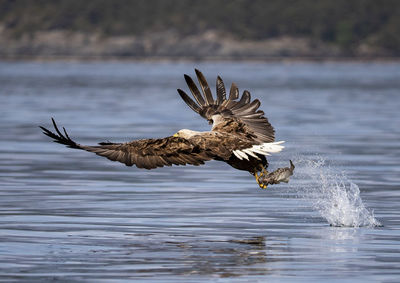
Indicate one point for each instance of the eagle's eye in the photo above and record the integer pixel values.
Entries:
(210, 121)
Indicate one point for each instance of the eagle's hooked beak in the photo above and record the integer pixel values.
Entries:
(175, 135)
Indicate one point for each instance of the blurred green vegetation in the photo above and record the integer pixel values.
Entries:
(347, 23)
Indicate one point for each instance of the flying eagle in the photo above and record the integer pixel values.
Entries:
(240, 136)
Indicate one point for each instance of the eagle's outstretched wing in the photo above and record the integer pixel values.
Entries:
(147, 153)
(242, 112)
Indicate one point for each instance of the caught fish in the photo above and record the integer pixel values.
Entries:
(277, 176)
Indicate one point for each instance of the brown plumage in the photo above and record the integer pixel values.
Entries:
(240, 135)
(243, 111)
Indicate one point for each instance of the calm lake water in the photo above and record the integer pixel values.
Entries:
(69, 215)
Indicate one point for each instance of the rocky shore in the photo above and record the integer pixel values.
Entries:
(170, 45)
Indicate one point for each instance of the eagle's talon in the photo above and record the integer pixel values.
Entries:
(262, 186)
(258, 179)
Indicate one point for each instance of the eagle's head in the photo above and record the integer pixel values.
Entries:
(186, 134)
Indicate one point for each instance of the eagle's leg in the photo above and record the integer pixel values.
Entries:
(262, 186)
(264, 171)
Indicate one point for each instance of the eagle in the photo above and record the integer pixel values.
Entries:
(240, 135)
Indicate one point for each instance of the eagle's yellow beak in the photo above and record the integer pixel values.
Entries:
(175, 135)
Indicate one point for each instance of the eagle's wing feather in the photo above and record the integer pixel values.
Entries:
(243, 111)
(221, 92)
(147, 153)
(204, 86)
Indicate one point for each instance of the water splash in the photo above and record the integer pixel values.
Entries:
(332, 194)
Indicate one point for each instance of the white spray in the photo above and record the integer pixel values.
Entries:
(332, 194)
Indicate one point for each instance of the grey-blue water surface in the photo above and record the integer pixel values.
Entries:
(69, 215)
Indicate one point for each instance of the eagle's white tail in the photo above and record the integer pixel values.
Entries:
(264, 149)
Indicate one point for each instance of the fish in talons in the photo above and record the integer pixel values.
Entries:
(277, 176)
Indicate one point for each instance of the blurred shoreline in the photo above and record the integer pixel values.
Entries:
(207, 30)
(170, 46)
(72, 58)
